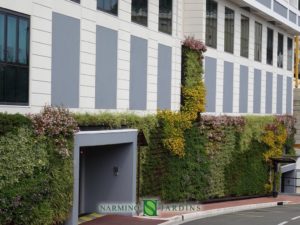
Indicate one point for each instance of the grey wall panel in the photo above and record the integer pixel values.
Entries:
(279, 94)
(265, 3)
(65, 61)
(98, 167)
(257, 91)
(289, 90)
(244, 77)
(228, 87)
(138, 73)
(280, 9)
(210, 77)
(164, 78)
(298, 20)
(106, 68)
(269, 92)
(292, 17)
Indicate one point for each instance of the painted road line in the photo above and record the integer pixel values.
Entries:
(295, 218)
(285, 222)
(88, 217)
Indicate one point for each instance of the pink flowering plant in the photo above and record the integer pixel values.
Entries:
(194, 44)
(58, 124)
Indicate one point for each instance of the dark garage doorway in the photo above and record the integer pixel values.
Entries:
(105, 176)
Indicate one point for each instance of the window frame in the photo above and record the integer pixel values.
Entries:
(16, 65)
(289, 65)
(109, 12)
(256, 44)
(269, 49)
(159, 19)
(210, 27)
(229, 33)
(246, 39)
(278, 63)
(139, 23)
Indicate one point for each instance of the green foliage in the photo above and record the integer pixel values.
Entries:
(11, 122)
(224, 157)
(36, 182)
(117, 121)
(20, 155)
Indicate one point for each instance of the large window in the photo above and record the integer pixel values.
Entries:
(289, 53)
(165, 16)
(139, 11)
(270, 36)
(229, 30)
(244, 36)
(280, 51)
(211, 23)
(258, 42)
(14, 58)
(109, 6)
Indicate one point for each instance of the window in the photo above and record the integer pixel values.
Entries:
(165, 16)
(109, 6)
(280, 51)
(258, 41)
(229, 30)
(270, 36)
(211, 23)
(14, 58)
(139, 12)
(78, 1)
(289, 53)
(244, 36)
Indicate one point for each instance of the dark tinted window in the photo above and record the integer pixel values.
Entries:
(2, 37)
(270, 36)
(14, 58)
(229, 30)
(244, 36)
(139, 12)
(280, 51)
(165, 16)
(78, 1)
(289, 53)
(109, 6)
(258, 42)
(211, 23)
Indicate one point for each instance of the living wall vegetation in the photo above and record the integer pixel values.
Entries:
(36, 167)
(189, 156)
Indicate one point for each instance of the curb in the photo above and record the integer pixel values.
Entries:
(180, 219)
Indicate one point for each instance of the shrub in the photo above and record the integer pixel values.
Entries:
(56, 123)
(12, 122)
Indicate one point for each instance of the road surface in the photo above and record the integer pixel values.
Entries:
(280, 215)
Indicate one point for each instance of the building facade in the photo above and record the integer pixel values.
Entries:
(90, 55)
(118, 56)
(249, 61)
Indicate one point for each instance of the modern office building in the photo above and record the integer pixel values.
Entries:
(249, 61)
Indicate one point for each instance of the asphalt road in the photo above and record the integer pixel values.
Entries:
(280, 215)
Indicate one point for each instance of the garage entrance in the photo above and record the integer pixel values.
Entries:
(105, 164)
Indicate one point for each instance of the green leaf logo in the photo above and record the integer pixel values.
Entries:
(150, 207)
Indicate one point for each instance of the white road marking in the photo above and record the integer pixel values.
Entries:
(285, 222)
(295, 218)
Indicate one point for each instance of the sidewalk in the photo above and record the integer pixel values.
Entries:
(208, 209)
